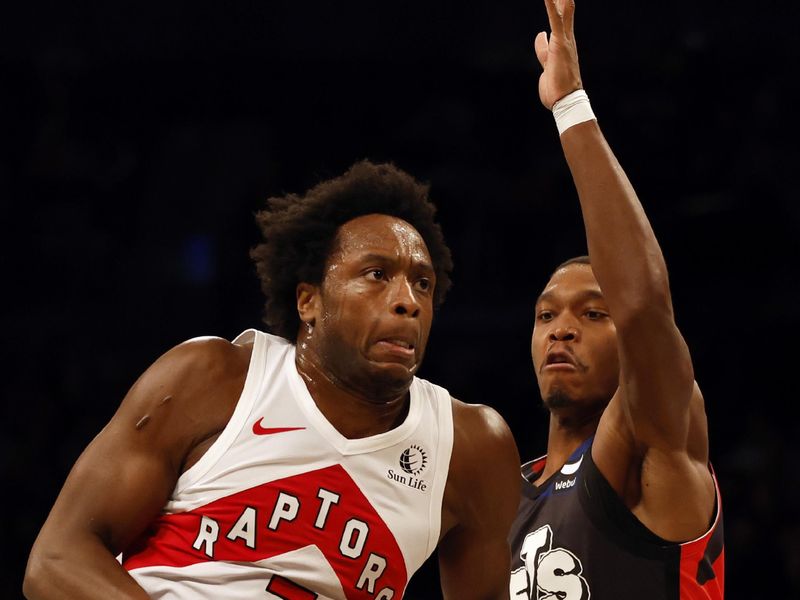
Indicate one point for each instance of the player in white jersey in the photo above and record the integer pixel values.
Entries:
(307, 464)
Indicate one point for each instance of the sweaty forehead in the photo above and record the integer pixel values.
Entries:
(571, 281)
(381, 234)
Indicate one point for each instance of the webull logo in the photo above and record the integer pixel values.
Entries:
(566, 484)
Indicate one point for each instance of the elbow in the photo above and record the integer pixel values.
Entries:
(40, 574)
(32, 583)
(642, 294)
(646, 298)
(654, 292)
(644, 308)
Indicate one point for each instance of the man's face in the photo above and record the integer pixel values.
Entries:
(574, 345)
(376, 306)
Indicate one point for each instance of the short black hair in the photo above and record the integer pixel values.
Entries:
(299, 233)
(575, 260)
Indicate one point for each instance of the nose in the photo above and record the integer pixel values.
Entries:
(404, 301)
(564, 333)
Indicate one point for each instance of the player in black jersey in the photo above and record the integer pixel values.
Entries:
(625, 504)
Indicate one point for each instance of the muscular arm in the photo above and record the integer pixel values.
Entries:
(124, 477)
(652, 442)
(481, 500)
(656, 375)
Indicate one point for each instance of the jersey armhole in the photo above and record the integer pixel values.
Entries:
(444, 404)
(607, 511)
(243, 409)
(603, 504)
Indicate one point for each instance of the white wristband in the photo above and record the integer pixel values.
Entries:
(572, 109)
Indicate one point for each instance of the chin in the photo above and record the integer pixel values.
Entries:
(388, 381)
(559, 399)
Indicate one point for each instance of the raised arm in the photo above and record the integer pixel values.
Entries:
(652, 442)
(126, 474)
(481, 500)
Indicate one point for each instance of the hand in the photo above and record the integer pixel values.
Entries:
(558, 56)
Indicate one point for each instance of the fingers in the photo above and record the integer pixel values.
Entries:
(540, 46)
(554, 16)
(561, 15)
(568, 12)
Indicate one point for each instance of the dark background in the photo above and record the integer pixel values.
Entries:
(137, 142)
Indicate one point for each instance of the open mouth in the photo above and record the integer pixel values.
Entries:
(401, 343)
(559, 360)
(398, 347)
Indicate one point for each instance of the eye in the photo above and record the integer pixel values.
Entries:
(594, 315)
(376, 274)
(544, 315)
(423, 284)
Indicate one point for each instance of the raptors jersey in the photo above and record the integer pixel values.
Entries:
(282, 506)
(574, 539)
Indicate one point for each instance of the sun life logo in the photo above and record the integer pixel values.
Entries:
(413, 460)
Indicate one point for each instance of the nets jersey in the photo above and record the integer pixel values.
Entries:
(574, 539)
(282, 506)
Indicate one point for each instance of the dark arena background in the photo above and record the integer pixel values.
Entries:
(138, 140)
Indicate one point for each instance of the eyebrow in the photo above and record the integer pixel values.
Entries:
(384, 258)
(583, 295)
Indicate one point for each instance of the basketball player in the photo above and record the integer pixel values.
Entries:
(624, 505)
(306, 463)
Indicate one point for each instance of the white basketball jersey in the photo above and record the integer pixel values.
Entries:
(282, 506)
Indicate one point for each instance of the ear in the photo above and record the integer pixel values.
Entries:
(308, 302)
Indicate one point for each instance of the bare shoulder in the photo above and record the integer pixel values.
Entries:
(669, 488)
(194, 371)
(485, 462)
(483, 445)
(207, 358)
(125, 475)
(481, 499)
(187, 394)
(480, 425)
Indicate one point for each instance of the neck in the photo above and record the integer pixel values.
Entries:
(353, 413)
(565, 434)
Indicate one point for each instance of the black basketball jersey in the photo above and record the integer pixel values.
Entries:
(574, 538)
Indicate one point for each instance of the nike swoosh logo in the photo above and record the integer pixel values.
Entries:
(259, 430)
(571, 468)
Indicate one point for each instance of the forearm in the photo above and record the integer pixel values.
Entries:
(625, 255)
(81, 571)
